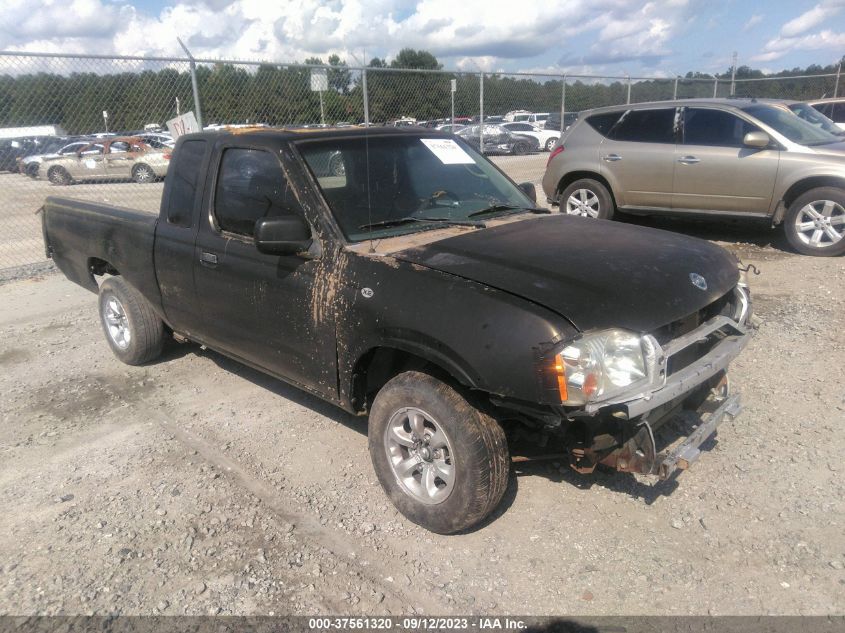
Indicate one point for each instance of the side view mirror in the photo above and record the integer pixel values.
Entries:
(283, 235)
(757, 140)
(529, 190)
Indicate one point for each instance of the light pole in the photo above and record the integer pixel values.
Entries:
(106, 120)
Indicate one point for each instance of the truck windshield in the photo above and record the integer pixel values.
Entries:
(393, 185)
(791, 126)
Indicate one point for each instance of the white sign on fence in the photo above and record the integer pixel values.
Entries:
(319, 80)
(184, 124)
(454, 85)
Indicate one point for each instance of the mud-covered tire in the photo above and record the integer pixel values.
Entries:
(477, 448)
(143, 174)
(597, 201)
(124, 308)
(59, 176)
(818, 213)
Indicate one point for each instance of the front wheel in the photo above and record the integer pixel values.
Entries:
(815, 222)
(587, 198)
(133, 330)
(520, 148)
(443, 463)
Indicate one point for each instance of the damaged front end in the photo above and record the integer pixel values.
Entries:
(621, 401)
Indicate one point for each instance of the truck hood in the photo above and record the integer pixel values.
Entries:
(595, 273)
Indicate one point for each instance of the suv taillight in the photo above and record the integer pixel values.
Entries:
(557, 150)
(167, 155)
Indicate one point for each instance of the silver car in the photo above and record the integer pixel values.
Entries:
(115, 158)
(720, 157)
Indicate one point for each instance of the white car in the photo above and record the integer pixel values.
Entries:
(517, 116)
(538, 119)
(547, 138)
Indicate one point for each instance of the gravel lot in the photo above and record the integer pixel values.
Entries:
(196, 485)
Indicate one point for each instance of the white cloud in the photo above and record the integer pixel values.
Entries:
(795, 36)
(811, 18)
(753, 21)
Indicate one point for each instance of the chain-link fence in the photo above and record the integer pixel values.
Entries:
(53, 106)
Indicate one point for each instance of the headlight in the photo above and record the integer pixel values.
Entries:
(599, 366)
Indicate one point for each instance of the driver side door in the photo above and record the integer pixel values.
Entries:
(262, 308)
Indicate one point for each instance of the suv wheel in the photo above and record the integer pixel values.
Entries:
(443, 463)
(815, 222)
(587, 198)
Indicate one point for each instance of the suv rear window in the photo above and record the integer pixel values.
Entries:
(601, 123)
(646, 126)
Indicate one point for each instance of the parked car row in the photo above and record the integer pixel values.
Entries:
(141, 156)
(775, 161)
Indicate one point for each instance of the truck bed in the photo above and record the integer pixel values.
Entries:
(83, 237)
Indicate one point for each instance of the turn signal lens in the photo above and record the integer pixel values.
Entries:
(560, 370)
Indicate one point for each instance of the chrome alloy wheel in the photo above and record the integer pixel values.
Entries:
(117, 323)
(420, 455)
(583, 202)
(821, 224)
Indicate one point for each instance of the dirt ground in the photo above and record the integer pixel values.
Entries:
(196, 485)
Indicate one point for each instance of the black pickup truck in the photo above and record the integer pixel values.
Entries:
(420, 286)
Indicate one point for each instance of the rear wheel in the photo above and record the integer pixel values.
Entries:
(59, 176)
(133, 330)
(815, 222)
(443, 463)
(31, 170)
(520, 148)
(143, 174)
(587, 198)
(550, 144)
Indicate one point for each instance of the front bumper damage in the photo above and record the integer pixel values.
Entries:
(701, 387)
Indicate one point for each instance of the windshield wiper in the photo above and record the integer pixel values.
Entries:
(507, 207)
(410, 219)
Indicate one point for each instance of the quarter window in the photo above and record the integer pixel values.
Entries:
(646, 126)
(705, 126)
(250, 186)
(183, 179)
(601, 123)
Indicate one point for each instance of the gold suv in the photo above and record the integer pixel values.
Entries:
(706, 157)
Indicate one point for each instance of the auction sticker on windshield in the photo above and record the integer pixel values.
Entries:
(448, 151)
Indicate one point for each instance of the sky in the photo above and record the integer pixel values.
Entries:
(618, 37)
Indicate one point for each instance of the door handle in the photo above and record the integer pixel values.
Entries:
(611, 158)
(208, 259)
(689, 160)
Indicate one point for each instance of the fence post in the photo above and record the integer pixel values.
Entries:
(481, 113)
(675, 89)
(715, 87)
(836, 85)
(193, 66)
(366, 97)
(563, 105)
(628, 79)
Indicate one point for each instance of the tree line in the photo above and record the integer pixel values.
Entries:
(282, 95)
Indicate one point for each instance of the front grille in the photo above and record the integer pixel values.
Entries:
(724, 305)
